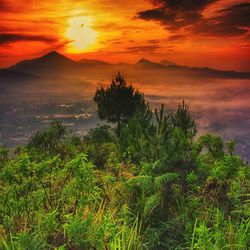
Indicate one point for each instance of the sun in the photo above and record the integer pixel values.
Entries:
(81, 34)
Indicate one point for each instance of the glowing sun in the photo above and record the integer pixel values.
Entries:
(80, 33)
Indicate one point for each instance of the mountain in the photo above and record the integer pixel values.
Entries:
(9, 77)
(14, 81)
(54, 69)
(49, 64)
(167, 63)
(172, 69)
(93, 62)
(145, 63)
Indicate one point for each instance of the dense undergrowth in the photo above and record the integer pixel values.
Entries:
(155, 186)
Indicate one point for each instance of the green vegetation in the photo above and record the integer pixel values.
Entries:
(153, 185)
(118, 102)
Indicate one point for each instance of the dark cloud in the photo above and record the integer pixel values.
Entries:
(178, 14)
(184, 5)
(7, 38)
(232, 21)
(216, 30)
(176, 37)
(237, 15)
(139, 49)
(144, 48)
(153, 41)
(4, 6)
(9, 6)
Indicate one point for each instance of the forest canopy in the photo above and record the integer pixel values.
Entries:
(155, 184)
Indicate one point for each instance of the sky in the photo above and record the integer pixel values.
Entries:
(204, 33)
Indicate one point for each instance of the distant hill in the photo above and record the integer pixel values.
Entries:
(49, 64)
(54, 64)
(94, 62)
(184, 71)
(10, 77)
(149, 64)
(14, 81)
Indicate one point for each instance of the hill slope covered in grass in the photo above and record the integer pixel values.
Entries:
(153, 185)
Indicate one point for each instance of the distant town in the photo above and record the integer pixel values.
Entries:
(22, 116)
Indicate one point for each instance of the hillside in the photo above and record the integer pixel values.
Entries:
(151, 183)
(53, 64)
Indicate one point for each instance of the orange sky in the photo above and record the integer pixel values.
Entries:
(213, 33)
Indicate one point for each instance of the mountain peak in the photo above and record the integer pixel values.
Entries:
(53, 54)
(50, 63)
(143, 61)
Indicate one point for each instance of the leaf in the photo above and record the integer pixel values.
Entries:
(164, 179)
(151, 203)
(144, 181)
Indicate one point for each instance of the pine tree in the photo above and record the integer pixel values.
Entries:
(118, 102)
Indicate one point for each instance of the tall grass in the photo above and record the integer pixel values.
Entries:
(128, 237)
(221, 236)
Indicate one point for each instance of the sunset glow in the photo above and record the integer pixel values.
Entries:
(80, 33)
(208, 33)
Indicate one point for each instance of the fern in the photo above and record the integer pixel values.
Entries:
(161, 180)
(144, 181)
(151, 203)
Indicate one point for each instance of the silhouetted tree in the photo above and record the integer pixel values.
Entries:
(118, 102)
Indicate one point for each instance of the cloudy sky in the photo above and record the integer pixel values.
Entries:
(213, 33)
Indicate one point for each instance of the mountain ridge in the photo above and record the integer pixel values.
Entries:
(55, 64)
(93, 62)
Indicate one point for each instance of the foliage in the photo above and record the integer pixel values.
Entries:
(155, 186)
(37, 196)
(145, 136)
(182, 119)
(118, 102)
(50, 139)
(100, 134)
(99, 153)
(3, 154)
